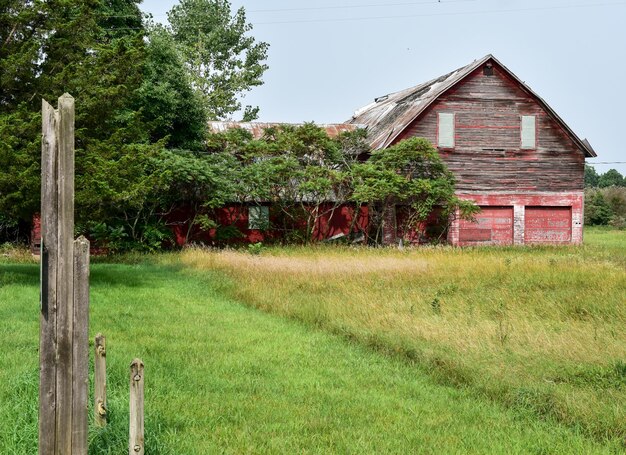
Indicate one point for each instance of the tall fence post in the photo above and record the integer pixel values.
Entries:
(64, 301)
(100, 381)
(48, 308)
(65, 273)
(136, 435)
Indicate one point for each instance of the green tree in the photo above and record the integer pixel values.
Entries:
(20, 51)
(611, 177)
(597, 209)
(225, 61)
(94, 51)
(169, 104)
(591, 177)
(411, 175)
(139, 88)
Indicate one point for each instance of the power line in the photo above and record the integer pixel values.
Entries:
(607, 162)
(371, 5)
(319, 8)
(349, 19)
(545, 8)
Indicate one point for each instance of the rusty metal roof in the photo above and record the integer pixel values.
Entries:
(391, 114)
(257, 128)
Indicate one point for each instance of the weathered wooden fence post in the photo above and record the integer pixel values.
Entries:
(100, 381)
(136, 436)
(64, 348)
(80, 347)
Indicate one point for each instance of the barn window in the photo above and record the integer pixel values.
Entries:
(258, 217)
(529, 132)
(445, 132)
(488, 69)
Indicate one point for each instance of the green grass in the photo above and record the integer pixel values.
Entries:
(222, 377)
(539, 329)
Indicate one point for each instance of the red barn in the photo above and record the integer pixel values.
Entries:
(509, 151)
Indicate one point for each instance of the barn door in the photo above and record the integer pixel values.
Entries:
(493, 226)
(548, 225)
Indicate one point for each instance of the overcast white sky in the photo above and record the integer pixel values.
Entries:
(328, 58)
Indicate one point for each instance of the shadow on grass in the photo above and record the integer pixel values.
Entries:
(132, 276)
(19, 274)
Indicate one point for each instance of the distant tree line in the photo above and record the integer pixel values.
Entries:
(605, 198)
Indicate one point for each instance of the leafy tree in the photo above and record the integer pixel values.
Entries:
(71, 51)
(591, 177)
(412, 175)
(597, 210)
(20, 38)
(139, 89)
(170, 105)
(611, 178)
(224, 60)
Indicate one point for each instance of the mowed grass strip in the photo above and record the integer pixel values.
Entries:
(535, 328)
(225, 378)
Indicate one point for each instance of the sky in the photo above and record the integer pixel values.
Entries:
(329, 58)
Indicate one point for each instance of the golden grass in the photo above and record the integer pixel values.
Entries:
(542, 328)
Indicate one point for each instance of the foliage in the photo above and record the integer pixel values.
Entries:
(591, 177)
(224, 60)
(606, 206)
(309, 176)
(9, 229)
(140, 89)
(82, 49)
(611, 178)
(411, 175)
(170, 105)
(597, 210)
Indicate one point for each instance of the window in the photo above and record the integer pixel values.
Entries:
(529, 132)
(445, 131)
(258, 217)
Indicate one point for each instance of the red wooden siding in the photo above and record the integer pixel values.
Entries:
(332, 224)
(493, 226)
(487, 155)
(551, 217)
(548, 225)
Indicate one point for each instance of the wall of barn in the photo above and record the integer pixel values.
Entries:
(487, 155)
(333, 223)
(553, 228)
(493, 170)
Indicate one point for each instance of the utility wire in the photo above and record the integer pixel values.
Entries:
(466, 13)
(319, 8)
(371, 5)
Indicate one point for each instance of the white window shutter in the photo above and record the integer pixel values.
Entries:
(258, 217)
(446, 130)
(529, 132)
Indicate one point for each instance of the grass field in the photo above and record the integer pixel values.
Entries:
(540, 329)
(431, 351)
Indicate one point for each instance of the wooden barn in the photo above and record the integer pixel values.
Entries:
(508, 149)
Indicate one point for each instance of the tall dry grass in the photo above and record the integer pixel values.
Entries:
(538, 328)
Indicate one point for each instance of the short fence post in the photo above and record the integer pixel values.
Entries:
(100, 381)
(80, 347)
(136, 436)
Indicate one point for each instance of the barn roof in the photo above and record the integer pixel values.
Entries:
(389, 115)
(257, 128)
